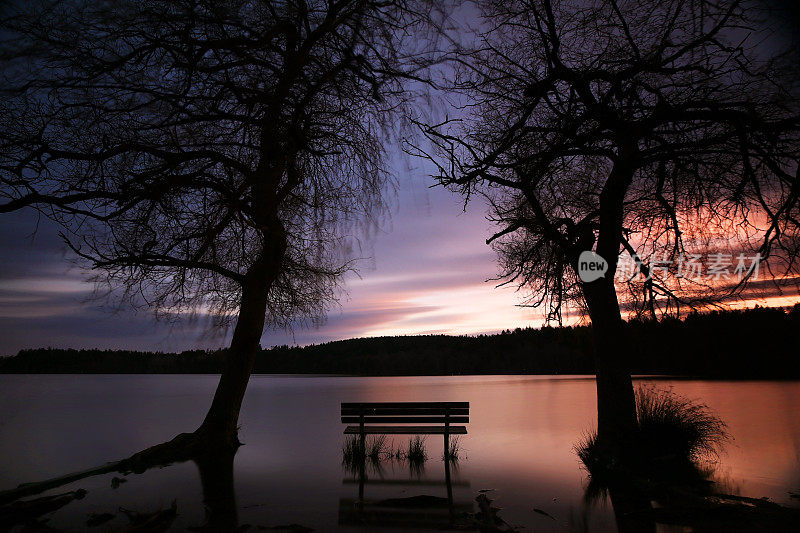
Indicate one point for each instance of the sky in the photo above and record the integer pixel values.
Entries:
(427, 271)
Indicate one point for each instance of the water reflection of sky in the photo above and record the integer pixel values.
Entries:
(520, 443)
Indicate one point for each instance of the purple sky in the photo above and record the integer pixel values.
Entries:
(425, 272)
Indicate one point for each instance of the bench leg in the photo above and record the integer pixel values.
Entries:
(447, 474)
(362, 474)
(362, 467)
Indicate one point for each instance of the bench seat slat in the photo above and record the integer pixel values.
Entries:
(355, 411)
(405, 420)
(404, 405)
(406, 430)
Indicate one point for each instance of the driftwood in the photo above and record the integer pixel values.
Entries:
(487, 519)
(182, 448)
(160, 520)
(30, 489)
(26, 512)
(98, 519)
(723, 512)
(40, 526)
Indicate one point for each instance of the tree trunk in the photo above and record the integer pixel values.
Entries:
(219, 497)
(631, 508)
(219, 430)
(616, 407)
(220, 427)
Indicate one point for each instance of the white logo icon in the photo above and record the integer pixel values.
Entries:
(591, 266)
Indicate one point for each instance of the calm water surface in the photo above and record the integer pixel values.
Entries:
(522, 432)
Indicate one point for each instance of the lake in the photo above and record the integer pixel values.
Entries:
(522, 434)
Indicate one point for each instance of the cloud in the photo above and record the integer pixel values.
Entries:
(426, 274)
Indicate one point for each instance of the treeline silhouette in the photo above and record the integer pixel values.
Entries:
(753, 343)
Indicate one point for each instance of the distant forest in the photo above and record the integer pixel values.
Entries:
(753, 343)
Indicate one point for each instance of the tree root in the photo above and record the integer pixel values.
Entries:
(184, 447)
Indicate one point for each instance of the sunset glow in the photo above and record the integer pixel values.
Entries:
(403, 288)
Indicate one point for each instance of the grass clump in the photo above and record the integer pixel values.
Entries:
(453, 449)
(672, 425)
(377, 448)
(352, 452)
(416, 452)
(674, 435)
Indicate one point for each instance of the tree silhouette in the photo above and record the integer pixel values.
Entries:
(633, 127)
(208, 157)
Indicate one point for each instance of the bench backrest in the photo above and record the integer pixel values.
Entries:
(405, 413)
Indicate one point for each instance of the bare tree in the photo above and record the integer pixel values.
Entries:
(208, 157)
(623, 127)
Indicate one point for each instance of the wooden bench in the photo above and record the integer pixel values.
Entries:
(405, 419)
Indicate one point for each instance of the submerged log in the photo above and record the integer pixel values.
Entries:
(160, 520)
(23, 512)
